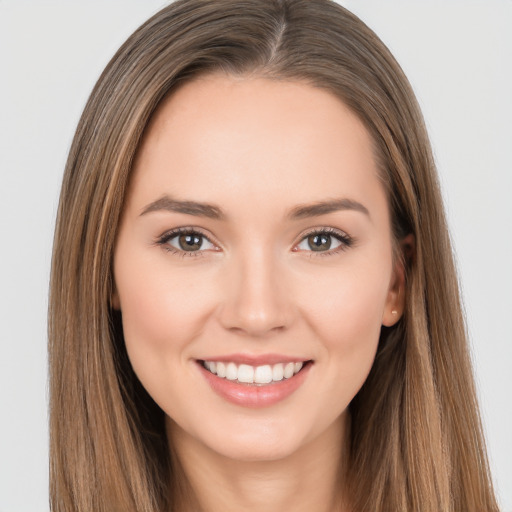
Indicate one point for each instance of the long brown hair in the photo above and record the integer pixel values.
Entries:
(416, 438)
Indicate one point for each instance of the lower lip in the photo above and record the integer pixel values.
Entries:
(255, 396)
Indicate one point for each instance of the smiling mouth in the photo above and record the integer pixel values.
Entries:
(254, 375)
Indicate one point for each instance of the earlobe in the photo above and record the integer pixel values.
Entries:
(395, 303)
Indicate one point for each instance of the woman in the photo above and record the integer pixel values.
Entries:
(253, 298)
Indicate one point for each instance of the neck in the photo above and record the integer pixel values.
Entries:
(311, 478)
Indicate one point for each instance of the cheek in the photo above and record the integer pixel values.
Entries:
(163, 314)
(344, 309)
(348, 301)
(162, 311)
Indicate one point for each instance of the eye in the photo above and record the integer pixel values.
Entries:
(186, 241)
(326, 240)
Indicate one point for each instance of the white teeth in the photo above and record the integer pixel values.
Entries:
(263, 374)
(231, 371)
(277, 372)
(221, 370)
(288, 370)
(247, 374)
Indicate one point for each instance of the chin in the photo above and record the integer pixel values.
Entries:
(264, 441)
(267, 450)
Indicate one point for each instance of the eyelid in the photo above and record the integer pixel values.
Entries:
(164, 238)
(346, 241)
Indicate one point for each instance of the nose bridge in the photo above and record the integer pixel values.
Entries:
(256, 301)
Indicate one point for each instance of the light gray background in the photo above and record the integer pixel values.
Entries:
(458, 56)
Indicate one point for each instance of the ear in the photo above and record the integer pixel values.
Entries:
(395, 301)
(115, 303)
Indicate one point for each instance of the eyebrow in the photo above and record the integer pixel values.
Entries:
(325, 207)
(167, 203)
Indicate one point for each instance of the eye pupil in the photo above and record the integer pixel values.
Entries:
(190, 242)
(319, 242)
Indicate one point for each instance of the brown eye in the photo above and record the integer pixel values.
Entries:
(319, 242)
(190, 242)
(187, 242)
(326, 240)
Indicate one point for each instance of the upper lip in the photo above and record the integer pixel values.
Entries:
(256, 359)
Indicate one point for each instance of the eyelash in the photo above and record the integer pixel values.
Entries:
(163, 241)
(345, 241)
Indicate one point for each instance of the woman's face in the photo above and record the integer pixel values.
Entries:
(255, 240)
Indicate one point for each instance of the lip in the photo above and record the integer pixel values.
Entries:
(253, 396)
(256, 360)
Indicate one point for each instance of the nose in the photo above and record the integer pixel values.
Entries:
(255, 299)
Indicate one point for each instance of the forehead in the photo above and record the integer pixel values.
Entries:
(226, 139)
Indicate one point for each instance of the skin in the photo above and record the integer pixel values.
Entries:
(257, 149)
